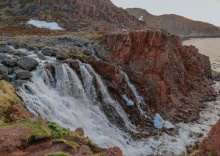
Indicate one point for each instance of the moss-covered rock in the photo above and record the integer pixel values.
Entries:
(11, 108)
(58, 154)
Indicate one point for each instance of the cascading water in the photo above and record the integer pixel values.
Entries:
(71, 104)
(138, 98)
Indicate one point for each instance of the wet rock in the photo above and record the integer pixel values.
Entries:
(17, 46)
(158, 121)
(168, 125)
(27, 63)
(18, 83)
(61, 56)
(23, 74)
(3, 71)
(9, 63)
(87, 52)
(73, 64)
(115, 151)
(40, 56)
(32, 48)
(4, 49)
(128, 101)
(80, 131)
(10, 71)
(49, 52)
(20, 53)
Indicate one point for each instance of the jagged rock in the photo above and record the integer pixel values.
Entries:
(49, 52)
(27, 63)
(211, 143)
(158, 121)
(4, 49)
(164, 71)
(61, 56)
(9, 63)
(23, 74)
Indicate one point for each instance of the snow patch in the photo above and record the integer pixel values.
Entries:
(43, 24)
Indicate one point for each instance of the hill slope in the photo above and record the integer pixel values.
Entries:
(75, 15)
(175, 24)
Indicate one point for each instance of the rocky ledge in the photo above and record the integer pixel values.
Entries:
(173, 79)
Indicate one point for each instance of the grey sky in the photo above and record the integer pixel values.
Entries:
(201, 10)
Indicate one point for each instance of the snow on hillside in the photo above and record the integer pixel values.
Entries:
(43, 24)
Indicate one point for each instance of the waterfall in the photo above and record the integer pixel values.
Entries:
(109, 101)
(72, 104)
(139, 99)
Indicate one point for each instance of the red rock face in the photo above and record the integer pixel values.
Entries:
(95, 15)
(173, 79)
(211, 143)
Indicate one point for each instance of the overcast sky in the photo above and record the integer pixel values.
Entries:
(201, 10)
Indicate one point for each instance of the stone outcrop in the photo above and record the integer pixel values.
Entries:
(11, 109)
(211, 143)
(173, 79)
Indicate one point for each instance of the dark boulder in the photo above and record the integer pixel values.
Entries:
(9, 63)
(29, 48)
(23, 74)
(4, 49)
(27, 63)
(49, 52)
(3, 70)
(61, 56)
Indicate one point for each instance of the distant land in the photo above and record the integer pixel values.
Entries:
(176, 24)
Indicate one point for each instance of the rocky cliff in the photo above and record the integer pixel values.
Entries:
(77, 15)
(210, 145)
(173, 79)
(177, 25)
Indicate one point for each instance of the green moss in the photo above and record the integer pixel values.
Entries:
(94, 36)
(70, 144)
(100, 154)
(8, 98)
(58, 154)
(213, 153)
(39, 129)
(57, 131)
(47, 12)
(3, 124)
